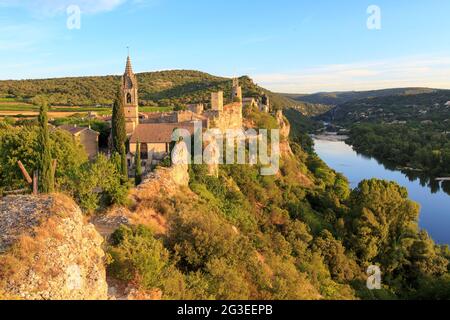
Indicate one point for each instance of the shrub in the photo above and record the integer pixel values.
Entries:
(138, 257)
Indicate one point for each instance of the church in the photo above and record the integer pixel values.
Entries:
(153, 131)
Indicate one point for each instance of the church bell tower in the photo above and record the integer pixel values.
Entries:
(129, 89)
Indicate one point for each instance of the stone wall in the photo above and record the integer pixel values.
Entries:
(229, 118)
(217, 101)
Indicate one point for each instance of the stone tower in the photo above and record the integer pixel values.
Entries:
(236, 91)
(129, 89)
(217, 101)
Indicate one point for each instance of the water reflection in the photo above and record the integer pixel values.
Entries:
(432, 195)
(425, 180)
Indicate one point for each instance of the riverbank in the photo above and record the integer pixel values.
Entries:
(331, 136)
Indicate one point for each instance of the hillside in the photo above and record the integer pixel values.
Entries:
(337, 98)
(419, 107)
(163, 88)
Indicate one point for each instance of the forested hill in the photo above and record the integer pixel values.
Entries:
(431, 106)
(163, 88)
(337, 98)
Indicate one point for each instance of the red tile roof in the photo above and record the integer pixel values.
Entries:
(158, 132)
(74, 130)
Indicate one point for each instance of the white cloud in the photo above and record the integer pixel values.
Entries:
(52, 7)
(417, 71)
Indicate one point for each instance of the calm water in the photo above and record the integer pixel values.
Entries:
(435, 213)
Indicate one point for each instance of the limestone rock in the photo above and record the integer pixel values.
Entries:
(48, 251)
(285, 130)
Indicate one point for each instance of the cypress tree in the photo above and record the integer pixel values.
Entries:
(119, 134)
(138, 175)
(46, 178)
(124, 164)
(118, 130)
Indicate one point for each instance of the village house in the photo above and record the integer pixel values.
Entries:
(87, 137)
(154, 140)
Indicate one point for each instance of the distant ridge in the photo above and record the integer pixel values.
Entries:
(340, 97)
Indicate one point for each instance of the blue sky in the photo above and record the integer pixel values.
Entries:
(286, 45)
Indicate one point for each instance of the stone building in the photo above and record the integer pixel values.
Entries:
(250, 102)
(155, 140)
(217, 101)
(87, 137)
(196, 108)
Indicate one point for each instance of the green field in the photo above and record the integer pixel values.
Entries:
(155, 109)
(29, 107)
(2, 99)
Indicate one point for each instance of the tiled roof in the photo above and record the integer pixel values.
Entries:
(158, 132)
(74, 130)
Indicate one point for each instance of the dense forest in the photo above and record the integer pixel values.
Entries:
(164, 88)
(420, 147)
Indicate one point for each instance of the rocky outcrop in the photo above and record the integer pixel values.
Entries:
(163, 183)
(48, 251)
(285, 130)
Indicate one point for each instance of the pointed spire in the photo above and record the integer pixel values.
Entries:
(128, 68)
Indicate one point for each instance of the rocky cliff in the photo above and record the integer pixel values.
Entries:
(48, 251)
(285, 130)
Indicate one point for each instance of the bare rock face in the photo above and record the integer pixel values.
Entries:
(285, 130)
(48, 251)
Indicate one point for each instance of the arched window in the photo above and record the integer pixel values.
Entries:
(129, 98)
(144, 151)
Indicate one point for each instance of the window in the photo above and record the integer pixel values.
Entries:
(129, 98)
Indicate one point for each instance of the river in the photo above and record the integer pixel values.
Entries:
(435, 205)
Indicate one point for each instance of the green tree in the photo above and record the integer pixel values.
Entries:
(124, 165)
(118, 130)
(384, 223)
(46, 174)
(138, 174)
(92, 189)
(119, 135)
(22, 143)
